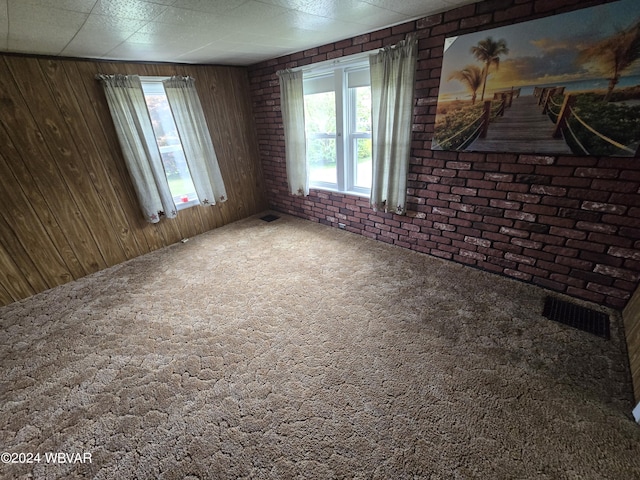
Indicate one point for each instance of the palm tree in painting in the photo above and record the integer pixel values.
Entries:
(488, 51)
(471, 76)
(614, 54)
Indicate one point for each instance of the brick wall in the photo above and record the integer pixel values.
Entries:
(567, 223)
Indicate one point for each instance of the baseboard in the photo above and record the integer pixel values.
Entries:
(636, 413)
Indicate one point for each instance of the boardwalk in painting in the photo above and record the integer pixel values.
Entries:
(523, 128)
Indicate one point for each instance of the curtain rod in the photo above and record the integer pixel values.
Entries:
(347, 59)
(333, 61)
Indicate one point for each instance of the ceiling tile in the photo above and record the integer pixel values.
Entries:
(132, 9)
(29, 40)
(151, 53)
(217, 7)
(53, 19)
(209, 31)
(187, 18)
(103, 24)
(83, 6)
(89, 47)
(4, 25)
(415, 8)
(253, 10)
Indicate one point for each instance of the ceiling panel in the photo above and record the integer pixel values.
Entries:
(234, 32)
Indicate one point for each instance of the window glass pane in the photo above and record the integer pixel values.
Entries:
(320, 125)
(363, 162)
(363, 109)
(321, 160)
(173, 159)
(180, 183)
(320, 113)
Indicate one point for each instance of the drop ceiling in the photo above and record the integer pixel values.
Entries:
(231, 32)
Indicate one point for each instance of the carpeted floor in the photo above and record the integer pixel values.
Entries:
(293, 350)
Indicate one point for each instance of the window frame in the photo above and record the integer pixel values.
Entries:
(150, 85)
(346, 135)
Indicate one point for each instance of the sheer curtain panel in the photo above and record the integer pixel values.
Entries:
(196, 140)
(292, 105)
(137, 140)
(393, 72)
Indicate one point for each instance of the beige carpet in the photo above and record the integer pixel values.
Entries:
(293, 350)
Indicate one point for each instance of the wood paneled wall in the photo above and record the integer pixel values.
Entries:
(67, 205)
(631, 316)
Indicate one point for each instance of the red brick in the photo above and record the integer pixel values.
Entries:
(597, 227)
(615, 186)
(444, 172)
(587, 295)
(574, 263)
(610, 240)
(568, 233)
(558, 222)
(498, 177)
(536, 160)
(519, 215)
(459, 165)
(481, 184)
(587, 194)
(522, 242)
(492, 194)
(535, 271)
(439, 253)
(560, 202)
(523, 197)
(464, 191)
(517, 274)
(505, 204)
(548, 190)
(563, 251)
(554, 267)
(548, 240)
(548, 283)
(472, 177)
(513, 168)
(589, 246)
(609, 291)
(519, 258)
(512, 232)
(475, 21)
(567, 280)
(571, 182)
(626, 199)
(617, 273)
(619, 220)
(477, 241)
(596, 173)
(624, 253)
(540, 209)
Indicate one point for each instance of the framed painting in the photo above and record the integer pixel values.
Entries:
(566, 84)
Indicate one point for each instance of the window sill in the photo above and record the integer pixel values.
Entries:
(180, 205)
(334, 190)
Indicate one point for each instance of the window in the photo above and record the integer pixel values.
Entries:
(168, 140)
(337, 104)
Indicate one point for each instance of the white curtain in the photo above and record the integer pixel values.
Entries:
(196, 141)
(393, 72)
(142, 156)
(292, 105)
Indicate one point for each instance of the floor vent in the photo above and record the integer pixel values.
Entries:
(575, 316)
(269, 218)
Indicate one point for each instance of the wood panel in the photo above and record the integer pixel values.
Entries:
(69, 207)
(631, 316)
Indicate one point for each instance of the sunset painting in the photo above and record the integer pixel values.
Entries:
(567, 84)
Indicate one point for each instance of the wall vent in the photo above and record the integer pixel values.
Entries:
(575, 316)
(269, 218)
